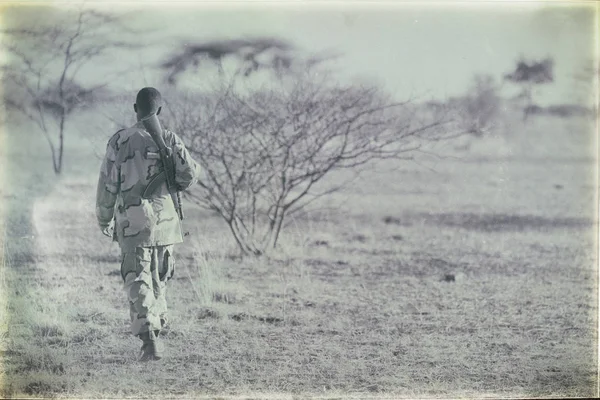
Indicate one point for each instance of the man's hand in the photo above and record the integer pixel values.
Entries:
(109, 230)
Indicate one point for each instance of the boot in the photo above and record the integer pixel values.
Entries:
(152, 348)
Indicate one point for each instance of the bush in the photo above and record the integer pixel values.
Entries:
(264, 150)
(478, 111)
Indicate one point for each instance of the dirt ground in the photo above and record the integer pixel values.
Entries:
(466, 276)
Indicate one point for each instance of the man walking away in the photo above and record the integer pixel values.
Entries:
(135, 207)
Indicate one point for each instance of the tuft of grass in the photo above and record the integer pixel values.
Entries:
(35, 385)
(206, 273)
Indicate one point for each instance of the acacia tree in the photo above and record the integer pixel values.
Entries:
(263, 151)
(44, 62)
(250, 54)
(529, 74)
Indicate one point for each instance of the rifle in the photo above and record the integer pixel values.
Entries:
(168, 173)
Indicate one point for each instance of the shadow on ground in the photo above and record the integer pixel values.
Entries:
(490, 222)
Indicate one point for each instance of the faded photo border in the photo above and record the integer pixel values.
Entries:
(395, 199)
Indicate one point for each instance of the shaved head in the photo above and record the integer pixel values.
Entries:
(148, 101)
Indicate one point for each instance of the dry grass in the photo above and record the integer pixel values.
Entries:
(356, 302)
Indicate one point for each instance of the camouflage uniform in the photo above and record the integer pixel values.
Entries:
(145, 229)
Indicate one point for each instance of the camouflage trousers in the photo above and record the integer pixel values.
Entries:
(145, 272)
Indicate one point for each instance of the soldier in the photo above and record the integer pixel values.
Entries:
(146, 228)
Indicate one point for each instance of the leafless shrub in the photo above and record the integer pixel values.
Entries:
(264, 150)
(477, 112)
(481, 106)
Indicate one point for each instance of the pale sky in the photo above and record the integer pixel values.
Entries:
(409, 48)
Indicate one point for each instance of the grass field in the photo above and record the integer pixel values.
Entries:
(466, 276)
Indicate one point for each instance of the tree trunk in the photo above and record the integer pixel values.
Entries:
(528, 103)
(245, 248)
(278, 228)
(61, 140)
(54, 159)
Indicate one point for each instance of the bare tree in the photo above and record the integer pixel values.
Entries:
(529, 74)
(264, 150)
(45, 60)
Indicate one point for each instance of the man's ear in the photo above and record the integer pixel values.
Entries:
(158, 111)
(135, 107)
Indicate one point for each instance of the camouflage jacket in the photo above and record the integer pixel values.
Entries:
(131, 161)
